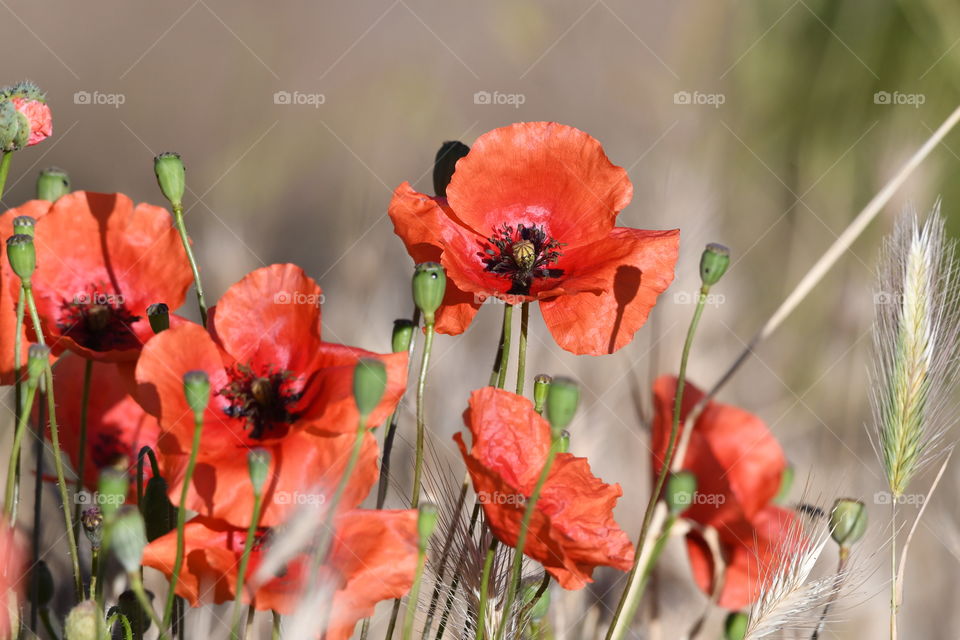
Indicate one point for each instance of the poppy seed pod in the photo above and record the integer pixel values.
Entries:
(22, 255)
(38, 356)
(563, 397)
(445, 163)
(24, 225)
(429, 285)
(848, 521)
(196, 388)
(426, 522)
(112, 490)
(128, 537)
(713, 263)
(92, 522)
(258, 464)
(83, 622)
(735, 626)
(369, 383)
(541, 385)
(171, 176)
(41, 584)
(402, 335)
(159, 316)
(156, 509)
(681, 487)
(52, 183)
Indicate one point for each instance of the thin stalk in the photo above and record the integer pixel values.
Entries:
(522, 344)
(505, 353)
(182, 519)
(444, 557)
(249, 626)
(18, 401)
(95, 588)
(542, 589)
(122, 619)
(414, 596)
(275, 631)
(326, 535)
(421, 423)
(82, 446)
(48, 624)
(485, 589)
(841, 567)
(448, 603)
(394, 614)
(9, 505)
(185, 238)
(503, 347)
(5, 169)
(244, 562)
(136, 585)
(630, 598)
(893, 569)
(35, 534)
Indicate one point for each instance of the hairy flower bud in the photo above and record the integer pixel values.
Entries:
(258, 465)
(83, 622)
(848, 521)
(128, 537)
(402, 335)
(369, 383)
(681, 487)
(196, 388)
(735, 626)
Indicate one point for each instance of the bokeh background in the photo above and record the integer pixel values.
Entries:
(763, 125)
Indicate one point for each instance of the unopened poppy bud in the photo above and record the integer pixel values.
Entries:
(196, 388)
(848, 521)
(159, 316)
(112, 489)
(156, 509)
(83, 622)
(22, 255)
(128, 537)
(563, 397)
(38, 357)
(541, 385)
(563, 446)
(445, 163)
(735, 626)
(9, 125)
(369, 383)
(24, 225)
(679, 491)
(92, 522)
(41, 584)
(713, 263)
(258, 464)
(426, 522)
(786, 484)
(402, 335)
(52, 183)
(542, 606)
(429, 285)
(171, 176)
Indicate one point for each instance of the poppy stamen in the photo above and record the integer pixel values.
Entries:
(262, 400)
(522, 254)
(98, 321)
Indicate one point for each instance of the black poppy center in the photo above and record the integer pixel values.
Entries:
(263, 399)
(522, 254)
(99, 321)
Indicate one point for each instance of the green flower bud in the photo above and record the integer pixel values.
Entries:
(196, 388)
(541, 385)
(52, 183)
(171, 176)
(38, 358)
(562, 400)
(848, 521)
(22, 255)
(444, 164)
(564, 444)
(429, 285)
(402, 335)
(41, 584)
(112, 490)
(23, 132)
(159, 316)
(427, 516)
(369, 383)
(713, 263)
(258, 464)
(9, 125)
(681, 487)
(83, 622)
(735, 627)
(128, 537)
(92, 522)
(542, 606)
(24, 225)
(786, 484)
(156, 509)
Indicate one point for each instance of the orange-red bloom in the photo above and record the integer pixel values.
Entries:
(13, 567)
(373, 557)
(739, 466)
(275, 385)
(572, 530)
(529, 216)
(100, 263)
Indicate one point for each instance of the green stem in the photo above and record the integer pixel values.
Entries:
(185, 238)
(5, 169)
(414, 596)
(94, 573)
(448, 604)
(394, 614)
(542, 589)
(894, 605)
(505, 352)
(658, 546)
(136, 585)
(329, 518)
(275, 633)
(82, 446)
(182, 518)
(36, 533)
(48, 624)
(18, 397)
(522, 356)
(421, 422)
(485, 589)
(251, 612)
(630, 599)
(244, 562)
(9, 505)
(122, 619)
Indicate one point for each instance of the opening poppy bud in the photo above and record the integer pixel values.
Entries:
(563, 397)
(24, 225)
(9, 126)
(541, 385)
(171, 176)
(159, 316)
(92, 522)
(369, 383)
(445, 163)
(83, 622)
(713, 263)
(429, 285)
(426, 522)
(52, 183)
(196, 388)
(258, 464)
(22, 255)
(112, 488)
(786, 484)
(848, 521)
(41, 584)
(38, 355)
(679, 492)
(22, 138)
(542, 606)
(564, 445)
(156, 508)
(128, 537)
(402, 335)
(735, 627)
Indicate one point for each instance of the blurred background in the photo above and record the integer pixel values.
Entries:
(761, 125)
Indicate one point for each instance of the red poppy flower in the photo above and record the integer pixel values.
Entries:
(739, 465)
(373, 557)
(13, 568)
(529, 216)
(100, 263)
(275, 385)
(572, 530)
